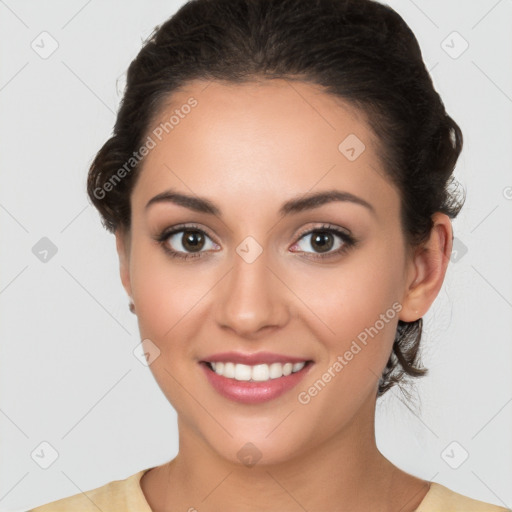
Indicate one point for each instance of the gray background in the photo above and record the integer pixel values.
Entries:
(68, 374)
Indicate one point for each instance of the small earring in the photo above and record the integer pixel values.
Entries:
(132, 307)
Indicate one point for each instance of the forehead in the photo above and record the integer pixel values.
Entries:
(274, 137)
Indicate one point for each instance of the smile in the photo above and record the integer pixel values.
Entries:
(256, 373)
(253, 384)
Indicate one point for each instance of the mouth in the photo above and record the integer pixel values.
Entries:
(256, 383)
(255, 373)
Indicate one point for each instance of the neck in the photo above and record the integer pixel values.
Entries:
(344, 473)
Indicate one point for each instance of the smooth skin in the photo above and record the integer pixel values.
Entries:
(248, 148)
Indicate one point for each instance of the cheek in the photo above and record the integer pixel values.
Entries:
(359, 304)
(363, 301)
(353, 295)
(164, 292)
(168, 302)
(375, 307)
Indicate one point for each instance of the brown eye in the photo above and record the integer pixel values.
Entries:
(186, 242)
(192, 240)
(325, 241)
(322, 241)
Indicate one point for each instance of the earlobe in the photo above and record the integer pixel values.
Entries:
(122, 246)
(428, 269)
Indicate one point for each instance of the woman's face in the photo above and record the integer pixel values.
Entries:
(257, 280)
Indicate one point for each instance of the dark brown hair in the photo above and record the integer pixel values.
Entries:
(359, 50)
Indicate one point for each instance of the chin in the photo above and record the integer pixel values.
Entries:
(256, 448)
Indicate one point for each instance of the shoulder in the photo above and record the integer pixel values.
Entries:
(441, 499)
(116, 496)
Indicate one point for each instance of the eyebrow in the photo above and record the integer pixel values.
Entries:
(294, 205)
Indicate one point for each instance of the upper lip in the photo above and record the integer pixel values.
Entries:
(253, 358)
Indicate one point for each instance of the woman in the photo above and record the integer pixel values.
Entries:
(278, 184)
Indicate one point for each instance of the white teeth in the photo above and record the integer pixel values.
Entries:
(298, 366)
(242, 372)
(229, 370)
(276, 370)
(287, 368)
(259, 372)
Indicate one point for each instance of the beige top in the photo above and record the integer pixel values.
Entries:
(127, 496)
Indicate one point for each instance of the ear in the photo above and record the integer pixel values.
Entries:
(123, 251)
(428, 269)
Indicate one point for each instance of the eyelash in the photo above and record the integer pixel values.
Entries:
(348, 241)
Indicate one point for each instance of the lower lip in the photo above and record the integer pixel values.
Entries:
(254, 392)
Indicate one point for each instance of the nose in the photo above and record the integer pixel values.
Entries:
(251, 299)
